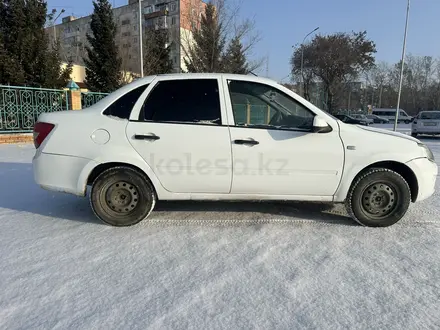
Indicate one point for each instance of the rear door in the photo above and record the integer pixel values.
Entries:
(179, 131)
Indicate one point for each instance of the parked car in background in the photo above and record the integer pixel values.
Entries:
(190, 137)
(377, 119)
(390, 114)
(351, 120)
(363, 117)
(426, 122)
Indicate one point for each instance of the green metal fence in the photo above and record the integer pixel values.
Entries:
(21, 106)
(90, 98)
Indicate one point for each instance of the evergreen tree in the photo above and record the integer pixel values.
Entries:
(11, 71)
(103, 65)
(157, 53)
(25, 45)
(56, 76)
(234, 61)
(205, 54)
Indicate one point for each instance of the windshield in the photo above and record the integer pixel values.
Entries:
(430, 115)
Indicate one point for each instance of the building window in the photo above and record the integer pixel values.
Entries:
(125, 34)
(173, 20)
(149, 9)
(160, 7)
(125, 22)
(173, 7)
(135, 39)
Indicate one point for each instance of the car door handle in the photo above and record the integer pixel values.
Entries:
(249, 142)
(146, 137)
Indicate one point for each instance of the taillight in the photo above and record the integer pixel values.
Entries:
(41, 131)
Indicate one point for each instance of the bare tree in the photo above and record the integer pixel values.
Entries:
(231, 27)
(335, 59)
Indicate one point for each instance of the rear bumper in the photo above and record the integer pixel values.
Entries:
(426, 130)
(59, 172)
(426, 173)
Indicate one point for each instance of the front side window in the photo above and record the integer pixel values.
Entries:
(122, 107)
(259, 105)
(185, 101)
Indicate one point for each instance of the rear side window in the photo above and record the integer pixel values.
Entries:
(187, 101)
(122, 107)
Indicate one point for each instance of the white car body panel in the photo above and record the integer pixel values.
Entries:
(321, 166)
(286, 162)
(365, 146)
(186, 158)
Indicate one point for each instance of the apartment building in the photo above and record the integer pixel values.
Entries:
(179, 17)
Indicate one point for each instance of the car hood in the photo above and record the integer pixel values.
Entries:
(387, 132)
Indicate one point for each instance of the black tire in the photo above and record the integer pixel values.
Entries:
(407, 121)
(414, 134)
(378, 198)
(122, 196)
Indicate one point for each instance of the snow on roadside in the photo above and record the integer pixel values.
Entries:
(210, 265)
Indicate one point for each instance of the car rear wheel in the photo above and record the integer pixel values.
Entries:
(414, 134)
(378, 198)
(122, 196)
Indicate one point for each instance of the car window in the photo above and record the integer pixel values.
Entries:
(122, 107)
(403, 114)
(188, 101)
(430, 115)
(263, 106)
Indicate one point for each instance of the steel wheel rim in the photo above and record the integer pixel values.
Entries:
(379, 200)
(122, 197)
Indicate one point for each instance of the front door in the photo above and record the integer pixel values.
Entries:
(180, 135)
(274, 149)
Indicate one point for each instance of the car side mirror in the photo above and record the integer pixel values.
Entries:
(320, 125)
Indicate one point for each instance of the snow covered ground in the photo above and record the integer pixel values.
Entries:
(210, 265)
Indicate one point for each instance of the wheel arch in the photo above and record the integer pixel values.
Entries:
(399, 168)
(100, 168)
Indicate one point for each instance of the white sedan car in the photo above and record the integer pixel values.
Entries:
(426, 122)
(225, 137)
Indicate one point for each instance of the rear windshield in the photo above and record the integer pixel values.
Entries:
(430, 115)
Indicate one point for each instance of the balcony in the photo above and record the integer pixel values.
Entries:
(159, 13)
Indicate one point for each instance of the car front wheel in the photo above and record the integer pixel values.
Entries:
(378, 198)
(122, 196)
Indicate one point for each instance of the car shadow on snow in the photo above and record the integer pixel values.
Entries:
(20, 193)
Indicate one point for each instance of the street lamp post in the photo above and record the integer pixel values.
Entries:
(141, 53)
(54, 21)
(402, 68)
(302, 59)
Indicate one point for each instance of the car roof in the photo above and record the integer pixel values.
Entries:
(247, 77)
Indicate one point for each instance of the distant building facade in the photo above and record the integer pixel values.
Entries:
(176, 16)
